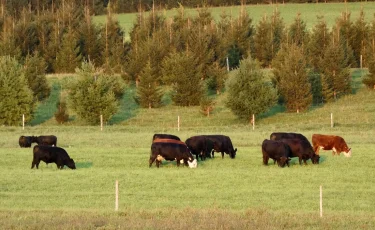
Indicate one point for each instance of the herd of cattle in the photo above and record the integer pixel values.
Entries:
(281, 147)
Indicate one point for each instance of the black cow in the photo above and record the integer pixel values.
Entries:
(279, 136)
(170, 149)
(276, 150)
(25, 141)
(50, 140)
(301, 149)
(51, 154)
(165, 136)
(222, 144)
(200, 146)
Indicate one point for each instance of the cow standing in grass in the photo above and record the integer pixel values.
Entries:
(170, 149)
(50, 154)
(50, 140)
(200, 146)
(222, 144)
(276, 150)
(331, 142)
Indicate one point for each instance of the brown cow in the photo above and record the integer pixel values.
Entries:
(330, 142)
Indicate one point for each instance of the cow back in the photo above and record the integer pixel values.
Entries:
(165, 136)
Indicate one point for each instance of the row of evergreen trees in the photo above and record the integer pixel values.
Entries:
(189, 54)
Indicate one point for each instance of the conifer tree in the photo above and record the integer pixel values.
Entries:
(148, 92)
(318, 43)
(92, 95)
(35, 73)
(297, 32)
(180, 70)
(335, 72)
(369, 79)
(263, 42)
(16, 97)
(61, 114)
(68, 57)
(217, 75)
(248, 91)
(291, 77)
(360, 32)
(8, 46)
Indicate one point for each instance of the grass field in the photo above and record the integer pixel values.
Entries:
(226, 193)
(309, 13)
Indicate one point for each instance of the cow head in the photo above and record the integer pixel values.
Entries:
(315, 159)
(233, 153)
(70, 163)
(347, 151)
(192, 163)
(282, 161)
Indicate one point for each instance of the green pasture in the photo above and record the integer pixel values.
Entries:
(309, 13)
(238, 193)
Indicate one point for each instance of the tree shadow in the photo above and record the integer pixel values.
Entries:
(87, 164)
(47, 108)
(273, 111)
(128, 107)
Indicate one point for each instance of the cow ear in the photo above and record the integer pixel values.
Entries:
(235, 150)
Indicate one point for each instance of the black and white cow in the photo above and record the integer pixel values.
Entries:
(200, 146)
(50, 154)
(170, 149)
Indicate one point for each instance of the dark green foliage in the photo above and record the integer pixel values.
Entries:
(16, 97)
(335, 72)
(369, 79)
(316, 87)
(61, 114)
(291, 78)
(263, 42)
(298, 33)
(216, 77)
(359, 36)
(92, 95)
(318, 43)
(180, 70)
(148, 92)
(248, 91)
(68, 56)
(35, 73)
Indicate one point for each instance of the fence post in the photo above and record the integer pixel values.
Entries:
(178, 122)
(116, 191)
(23, 121)
(101, 122)
(253, 121)
(321, 201)
(331, 120)
(227, 64)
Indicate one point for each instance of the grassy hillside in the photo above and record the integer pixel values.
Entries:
(309, 13)
(224, 193)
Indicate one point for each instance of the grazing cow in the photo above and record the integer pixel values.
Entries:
(276, 150)
(165, 136)
(222, 144)
(200, 146)
(25, 141)
(279, 136)
(301, 149)
(170, 149)
(330, 142)
(50, 140)
(51, 154)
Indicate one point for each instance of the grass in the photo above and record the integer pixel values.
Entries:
(219, 194)
(309, 13)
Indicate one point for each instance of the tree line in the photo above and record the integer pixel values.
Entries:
(190, 54)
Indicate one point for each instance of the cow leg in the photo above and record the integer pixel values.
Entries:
(152, 159)
(35, 162)
(300, 160)
(178, 162)
(265, 160)
(213, 153)
(316, 150)
(157, 163)
(222, 155)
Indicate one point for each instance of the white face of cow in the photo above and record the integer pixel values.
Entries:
(348, 154)
(193, 164)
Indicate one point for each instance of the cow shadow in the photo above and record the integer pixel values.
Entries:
(86, 164)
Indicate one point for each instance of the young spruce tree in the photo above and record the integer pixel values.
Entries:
(148, 92)
(92, 95)
(16, 97)
(291, 78)
(248, 91)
